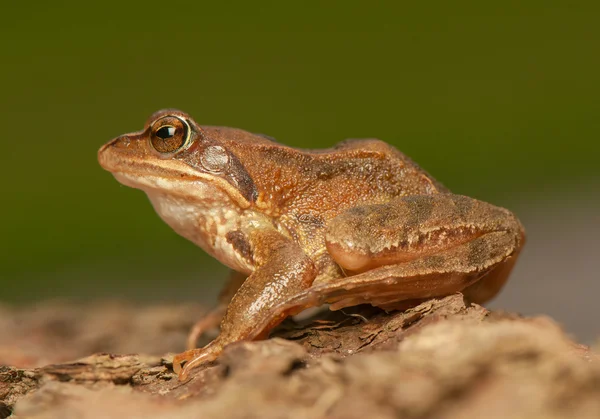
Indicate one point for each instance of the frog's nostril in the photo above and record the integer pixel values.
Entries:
(105, 146)
(120, 142)
(105, 150)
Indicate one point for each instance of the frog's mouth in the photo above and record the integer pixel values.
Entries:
(192, 189)
(167, 176)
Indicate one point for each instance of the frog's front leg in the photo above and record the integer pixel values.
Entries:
(418, 247)
(282, 270)
(213, 318)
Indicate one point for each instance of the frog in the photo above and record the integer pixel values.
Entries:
(357, 223)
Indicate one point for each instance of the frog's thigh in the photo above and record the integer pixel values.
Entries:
(411, 227)
(419, 247)
(436, 275)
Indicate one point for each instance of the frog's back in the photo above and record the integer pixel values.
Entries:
(404, 171)
(325, 181)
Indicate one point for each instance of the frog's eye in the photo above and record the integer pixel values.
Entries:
(169, 134)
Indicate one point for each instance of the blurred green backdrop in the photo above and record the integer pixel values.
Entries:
(498, 100)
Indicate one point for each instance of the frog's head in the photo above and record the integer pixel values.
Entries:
(174, 156)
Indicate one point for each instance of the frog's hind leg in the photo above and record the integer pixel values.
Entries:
(393, 286)
(419, 247)
(487, 287)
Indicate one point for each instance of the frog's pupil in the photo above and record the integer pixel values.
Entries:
(165, 132)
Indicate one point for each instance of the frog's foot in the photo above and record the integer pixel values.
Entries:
(184, 362)
(206, 323)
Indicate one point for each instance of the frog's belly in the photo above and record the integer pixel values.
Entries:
(204, 224)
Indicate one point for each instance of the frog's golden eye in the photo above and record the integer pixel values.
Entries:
(169, 134)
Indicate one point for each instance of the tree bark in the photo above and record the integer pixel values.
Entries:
(445, 358)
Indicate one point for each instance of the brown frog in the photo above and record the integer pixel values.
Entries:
(359, 223)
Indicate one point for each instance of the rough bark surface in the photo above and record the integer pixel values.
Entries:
(442, 359)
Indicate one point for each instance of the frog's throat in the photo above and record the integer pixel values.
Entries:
(205, 222)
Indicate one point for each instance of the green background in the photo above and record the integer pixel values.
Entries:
(498, 100)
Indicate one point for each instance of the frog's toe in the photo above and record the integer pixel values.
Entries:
(184, 362)
(179, 359)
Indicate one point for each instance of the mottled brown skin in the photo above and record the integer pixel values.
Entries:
(357, 223)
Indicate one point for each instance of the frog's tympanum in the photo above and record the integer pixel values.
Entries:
(359, 223)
